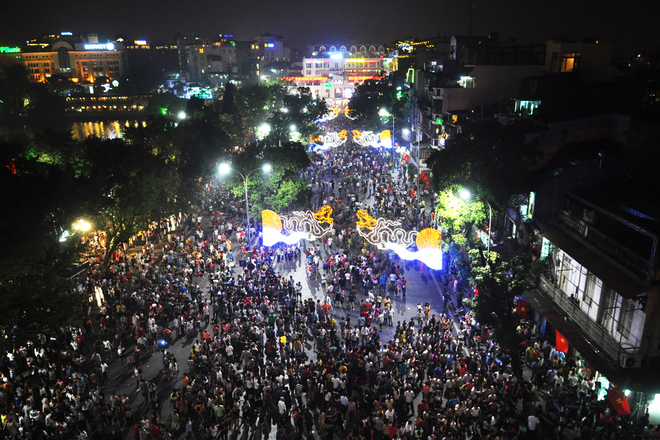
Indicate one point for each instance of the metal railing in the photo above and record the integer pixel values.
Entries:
(591, 330)
(623, 257)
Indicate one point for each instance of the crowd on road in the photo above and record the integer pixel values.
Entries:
(265, 361)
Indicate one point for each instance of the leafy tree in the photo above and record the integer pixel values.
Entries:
(256, 103)
(370, 97)
(456, 215)
(491, 159)
(283, 188)
(230, 115)
(164, 104)
(40, 200)
(499, 283)
(131, 187)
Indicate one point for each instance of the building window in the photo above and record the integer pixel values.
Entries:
(605, 307)
(565, 274)
(625, 318)
(568, 62)
(589, 289)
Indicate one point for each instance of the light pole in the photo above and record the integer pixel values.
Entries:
(225, 169)
(419, 167)
(465, 195)
(384, 114)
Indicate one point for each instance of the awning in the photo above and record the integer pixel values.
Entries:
(610, 274)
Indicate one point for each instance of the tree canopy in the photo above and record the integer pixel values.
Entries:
(489, 158)
(499, 283)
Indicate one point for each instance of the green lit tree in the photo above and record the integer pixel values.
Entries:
(283, 188)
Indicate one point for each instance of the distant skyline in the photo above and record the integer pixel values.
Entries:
(631, 26)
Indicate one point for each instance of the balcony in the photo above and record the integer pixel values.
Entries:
(595, 333)
(636, 265)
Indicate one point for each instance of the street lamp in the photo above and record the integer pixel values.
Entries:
(225, 169)
(465, 195)
(82, 225)
(384, 114)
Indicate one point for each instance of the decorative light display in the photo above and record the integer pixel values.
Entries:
(301, 224)
(371, 139)
(388, 234)
(359, 78)
(305, 78)
(332, 140)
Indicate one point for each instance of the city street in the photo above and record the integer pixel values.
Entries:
(423, 286)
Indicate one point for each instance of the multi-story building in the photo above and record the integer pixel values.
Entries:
(211, 61)
(593, 219)
(485, 75)
(601, 292)
(267, 49)
(333, 71)
(152, 57)
(82, 59)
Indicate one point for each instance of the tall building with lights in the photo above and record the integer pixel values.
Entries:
(332, 71)
(82, 59)
(267, 49)
(210, 60)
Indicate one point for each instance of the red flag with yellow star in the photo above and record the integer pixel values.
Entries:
(522, 308)
(618, 401)
(562, 343)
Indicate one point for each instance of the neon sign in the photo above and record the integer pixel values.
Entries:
(302, 224)
(7, 49)
(99, 46)
(388, 234)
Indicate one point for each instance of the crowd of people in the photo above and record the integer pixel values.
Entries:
(266, 361)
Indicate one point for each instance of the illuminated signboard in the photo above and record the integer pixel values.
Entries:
(66, 33)
(291, 229)
(270, 45)
(99, 46)
(336, 56)
(140, 42)
(424, 245)
(6, 49)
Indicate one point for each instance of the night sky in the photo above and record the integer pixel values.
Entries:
(631, 25)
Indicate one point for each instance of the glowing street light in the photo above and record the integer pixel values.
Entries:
(465, 195)
(82, 225)
(225, 169)
(263, 130)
